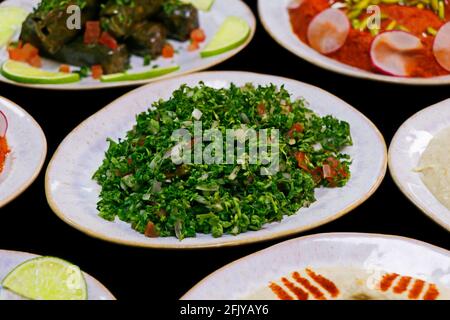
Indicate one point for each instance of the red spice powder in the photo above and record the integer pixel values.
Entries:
(3, 151)
(355, 51)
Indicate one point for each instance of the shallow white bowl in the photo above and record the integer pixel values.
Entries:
(11, 259)
(405, 151)
(73, 195)
(275, 18)
(28, 150)
(188, 61)
(375, 254)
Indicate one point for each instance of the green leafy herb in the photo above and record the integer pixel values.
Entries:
(142, 186)
(147, 60)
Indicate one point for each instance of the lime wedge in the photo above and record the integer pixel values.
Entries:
(22, 72)
(126, 76)
(11, 19)
(203, 5)
(232, 33)
(47, 278)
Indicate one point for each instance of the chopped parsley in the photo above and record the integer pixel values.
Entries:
(142, 186)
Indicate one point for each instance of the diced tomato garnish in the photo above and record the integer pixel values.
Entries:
(64, 68)
(302, 161)
(261, 108)
(107, 40)
(198, 35)
(17, 54)
(35, 61)
(296, 127)
(92, 32)
(97, 71)
(151, 231)
(27, 53)
(168, 51)
(193, 46)
(30, 51)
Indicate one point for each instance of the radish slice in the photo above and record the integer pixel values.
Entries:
(441, 47)
(295, 4)
(394, 52)
(328, 31)
(3, 124)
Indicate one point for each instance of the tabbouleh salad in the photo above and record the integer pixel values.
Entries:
(142, 186)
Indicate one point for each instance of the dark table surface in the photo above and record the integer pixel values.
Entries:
(28, 224)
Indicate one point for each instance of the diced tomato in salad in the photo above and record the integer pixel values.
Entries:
(261, 109)
(332, 170)
(92, 32)
(151, 231)
(97, 71)
(302, 160)
(296, 127)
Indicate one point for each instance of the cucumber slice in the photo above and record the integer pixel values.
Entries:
(11, 19)
(47, 278)
(232, 33)
(203, 5)
(24, 73)
(125, 76)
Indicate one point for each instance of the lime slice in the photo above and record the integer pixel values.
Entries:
(203, 5)
(47, 278)
(22, 72)
(125, 76)
(11, 19)
(232, 33)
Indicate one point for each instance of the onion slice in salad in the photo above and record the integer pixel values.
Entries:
(441, 46)
(3, 124)
(328, 31)
(394, 52)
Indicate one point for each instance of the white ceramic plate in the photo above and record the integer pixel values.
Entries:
(405, 151)
(357, 264)
(275, 18)
(11, 259)
(188, 61)
(73, 195)
(28, 149)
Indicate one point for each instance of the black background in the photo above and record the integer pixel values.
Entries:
(28, 224)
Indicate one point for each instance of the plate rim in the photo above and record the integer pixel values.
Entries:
(123, 84)
(33, 177)
(255, 239)
(400, 185)
(310, 237)
(87, 275)
(341, 68)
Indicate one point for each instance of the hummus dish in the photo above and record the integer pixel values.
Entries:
(434, 167)
(348, 284)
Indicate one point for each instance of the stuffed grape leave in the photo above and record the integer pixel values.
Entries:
(180, 19)
(80, 54)
(147, 39)
(46, 27)
(119, 16)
